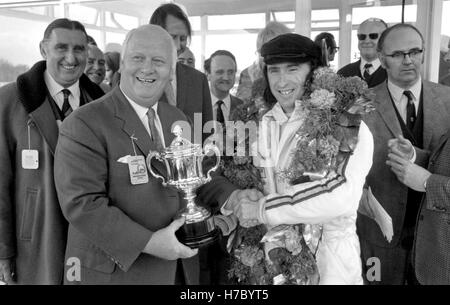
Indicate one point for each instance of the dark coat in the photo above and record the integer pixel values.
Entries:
(432, 239)
(352, 69)
(33, 231)
(110, 219)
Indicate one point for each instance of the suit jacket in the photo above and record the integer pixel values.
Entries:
(33, 230)
(111, 220)
(353, 69)
(432, 242)
(193, 97)
(235, 102)
(384, 125)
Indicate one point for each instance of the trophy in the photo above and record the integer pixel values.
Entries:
(183, 161)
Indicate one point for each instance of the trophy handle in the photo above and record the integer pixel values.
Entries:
(151, 155)
(215, 149)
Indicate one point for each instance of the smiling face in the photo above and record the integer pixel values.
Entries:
(222, 76)
(404, 71)
(368, 46)
(146, 65)
(65, 53)
(287, 82)
(95, 67)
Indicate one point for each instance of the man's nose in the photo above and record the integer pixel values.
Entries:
(70, 57)
(407, 59)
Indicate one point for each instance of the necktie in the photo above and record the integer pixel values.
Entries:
(66, 109)
(154, 132)
(219, 113)
(366, 74)
(410, 110)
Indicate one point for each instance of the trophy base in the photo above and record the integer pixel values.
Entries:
(198, 234)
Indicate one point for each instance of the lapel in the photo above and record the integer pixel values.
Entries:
(439, 147)
(46, 124)
(433, 116)
(130, 122)
(383, 104)
(235, 102)
(182, 85)
(357, 66)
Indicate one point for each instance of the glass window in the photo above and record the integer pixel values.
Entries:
(444, 58)
(243, 47)
(236, 22)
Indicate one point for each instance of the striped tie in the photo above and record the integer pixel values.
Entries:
(66, 109)
(154, 134)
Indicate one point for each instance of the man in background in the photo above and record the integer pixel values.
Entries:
(368, 67)
(187, 58)
(188, 90)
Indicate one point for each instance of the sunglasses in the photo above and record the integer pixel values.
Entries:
(372, 36)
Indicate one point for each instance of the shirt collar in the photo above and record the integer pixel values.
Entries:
(397, 92)
(141, 111)
(375, 64)
(226, 100)
(54, 88)
(278, 115)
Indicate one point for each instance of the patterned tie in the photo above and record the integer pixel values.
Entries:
(219, 113)
(154, 134)
(66, 109)
(366, 74)
(410, 110)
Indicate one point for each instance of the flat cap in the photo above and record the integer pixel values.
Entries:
(290, 48)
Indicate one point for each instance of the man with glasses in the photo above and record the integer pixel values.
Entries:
(407, 108)
(369, 66)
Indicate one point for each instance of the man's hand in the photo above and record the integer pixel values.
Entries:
(401, 147)
(164, 244)
(248, 212)
(240, 196)
(408, 173)
(6, 271)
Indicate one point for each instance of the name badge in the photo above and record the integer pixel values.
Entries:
(138, 170)
(30, 159)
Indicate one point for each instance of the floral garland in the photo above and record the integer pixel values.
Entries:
(332, 107)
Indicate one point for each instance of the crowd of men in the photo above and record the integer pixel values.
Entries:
(66, 191)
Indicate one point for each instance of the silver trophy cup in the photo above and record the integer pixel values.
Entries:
(183, 161)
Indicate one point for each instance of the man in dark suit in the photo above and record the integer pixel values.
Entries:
(121, 226)
(189, 89)
(419, 111)
(220, 69)
(432, 245)
(33, 231)
(368, 67)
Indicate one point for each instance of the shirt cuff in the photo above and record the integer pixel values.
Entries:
(225, 209)
(413, 159)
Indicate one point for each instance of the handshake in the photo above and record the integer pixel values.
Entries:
(247, 206)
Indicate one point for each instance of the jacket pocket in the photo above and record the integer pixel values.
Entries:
(29, 211)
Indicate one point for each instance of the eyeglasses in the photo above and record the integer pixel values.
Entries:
(335, 48)
(399, 55)
(372, 36)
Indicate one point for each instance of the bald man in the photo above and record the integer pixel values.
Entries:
(368, 67)
(96, 67)
(121, 227)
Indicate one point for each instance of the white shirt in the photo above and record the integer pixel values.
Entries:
(226, 106)
(141, 112)
(375, 65)
(400, 100)
(55, 92)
